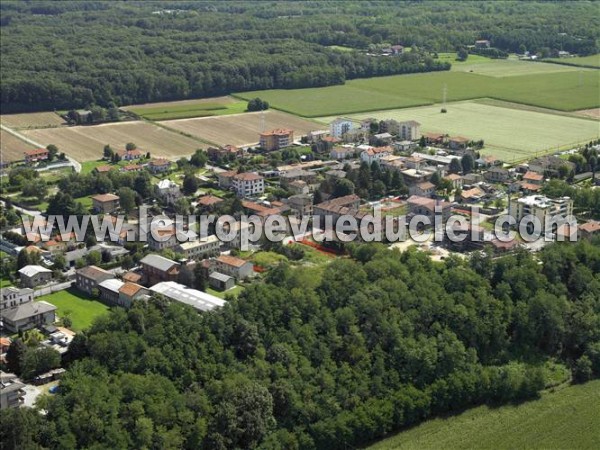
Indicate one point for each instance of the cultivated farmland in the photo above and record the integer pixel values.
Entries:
(566, 91)
(32, 120)
(85, 143)
(589, 61)
(509, 133)
(240, 129)
(184, 109)
(559, 420)
(12, 148)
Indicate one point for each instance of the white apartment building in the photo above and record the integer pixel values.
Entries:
(341, 126)
(201, 248)
(248, 184)
(549, 211)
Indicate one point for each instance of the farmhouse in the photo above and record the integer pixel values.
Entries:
(276, 139)
(225, 151)
(33, 275)
(102, 169)
(130, 155)
(248, 184)
(39, 154)
(105, 203)
(482, 43)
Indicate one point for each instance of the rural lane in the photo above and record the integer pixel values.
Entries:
(76, 165)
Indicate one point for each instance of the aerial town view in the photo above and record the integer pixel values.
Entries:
(300, 225)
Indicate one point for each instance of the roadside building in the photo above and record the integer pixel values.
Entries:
(34, 275)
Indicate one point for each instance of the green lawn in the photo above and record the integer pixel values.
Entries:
(235, 291)
(510, 134)
(189, 110)
(566, 419)
(5, 282)
(590, 61)
(563, 90)
(81, 308)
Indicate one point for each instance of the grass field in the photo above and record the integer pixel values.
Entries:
(235, 291)
(11, 147)
(566, 419)
(185, 109)
(240, 129)
(564, 90)
(592, 60)
(85, 143)
(81, 309)
(509, 134)
(32, 120)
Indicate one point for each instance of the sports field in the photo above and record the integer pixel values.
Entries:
(240, 129)
(590, 61)
(86, 143)
(562, 90)
(566, 419)
(184, 109)
(510, 134)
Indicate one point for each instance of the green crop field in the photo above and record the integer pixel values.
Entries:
(81, 308)
(511, 66)
(510, 134)
(590, 61)
(189, 109)
(566, 419)
(563, 90)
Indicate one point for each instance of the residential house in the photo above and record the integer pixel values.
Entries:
(341, 153)
(429, 208)
(200, 249)
(405, 146)
(434, 138)
(201, 301)
(458, 142)
(296, 175)
(220, 281)
(157, 268)
(225, 151)
(384, 138)
(551, 165)
(109, 290)
(208, 202)
(130, 155)
(248, 184)
(18, 311)
(424, 189)
(497, 175)
(473, 195)
(454, 179)
(102, 169)
(276, 139)
(168, 191)
(532, 182)
(301, 204)
(589, 229)
(226, 178)
(12, 391)
(132, 168)
(397, 49)
(105, 203)
(88, 278)
(34, 275)
(130, 292)
(234, 267)
(316, 136)
(298, 187)
(162, 238)
(482, 44)
(375, 154)
(159, 165)
(335, 208)
(132, 277)
(39, 154)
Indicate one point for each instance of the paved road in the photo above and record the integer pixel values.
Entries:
(24, 138)
(30, 212)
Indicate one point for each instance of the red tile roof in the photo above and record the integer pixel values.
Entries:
(231, 260)
(105, 198)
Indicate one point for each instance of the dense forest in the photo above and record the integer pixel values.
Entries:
(63, 55)
(326, 358)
